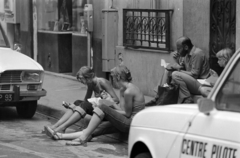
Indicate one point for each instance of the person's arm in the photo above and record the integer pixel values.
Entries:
(117, 107)
(176, 56)
(88, 93)
(108, 88)
(127, 104)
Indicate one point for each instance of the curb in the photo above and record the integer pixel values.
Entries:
(61, 75)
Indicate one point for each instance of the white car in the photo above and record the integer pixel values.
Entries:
(209, 129)
(21, 79)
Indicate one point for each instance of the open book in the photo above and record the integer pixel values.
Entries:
(97, 101)
(204, 82)
(163, 63)
(210, 81)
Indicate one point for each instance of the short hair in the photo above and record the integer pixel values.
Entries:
(123, 72)
(86, 72)
(225, 53)
(185, 41)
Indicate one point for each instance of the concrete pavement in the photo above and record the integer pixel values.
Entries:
(62, 87)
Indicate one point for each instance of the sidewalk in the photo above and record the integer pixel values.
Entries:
(61, 87)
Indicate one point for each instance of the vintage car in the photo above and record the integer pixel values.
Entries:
(21, 79)
(208, 129)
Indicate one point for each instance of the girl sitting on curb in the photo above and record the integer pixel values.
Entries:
(79, 109)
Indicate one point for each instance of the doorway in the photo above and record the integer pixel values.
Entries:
(222, 29)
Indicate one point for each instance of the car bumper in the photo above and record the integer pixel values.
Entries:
(17, 95)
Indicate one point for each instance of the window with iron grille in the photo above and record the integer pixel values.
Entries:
(146, 28)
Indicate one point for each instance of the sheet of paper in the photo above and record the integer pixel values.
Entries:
(212, 79)
(204, 82)
(163, 63)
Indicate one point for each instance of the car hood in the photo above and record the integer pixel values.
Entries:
(13, 60)
(171, 117)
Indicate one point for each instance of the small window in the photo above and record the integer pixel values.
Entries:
(228, 98)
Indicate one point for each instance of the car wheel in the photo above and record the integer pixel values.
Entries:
(27, 109)
(143, 155)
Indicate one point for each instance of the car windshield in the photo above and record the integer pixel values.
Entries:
(3, 41)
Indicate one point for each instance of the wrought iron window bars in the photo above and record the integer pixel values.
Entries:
(146, 28)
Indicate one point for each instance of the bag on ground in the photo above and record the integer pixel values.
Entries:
(166, 95)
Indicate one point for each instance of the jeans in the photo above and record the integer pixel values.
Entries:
(105, 128)
(82, 107)
(116, 122)
(85, 105)
(187, 85)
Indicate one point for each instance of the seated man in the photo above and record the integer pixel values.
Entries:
(191, 64)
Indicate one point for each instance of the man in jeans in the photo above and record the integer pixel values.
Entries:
(191, 64)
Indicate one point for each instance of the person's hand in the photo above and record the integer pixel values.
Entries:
(173, 67)
(176, 55)
(106, 96)
(169, 67)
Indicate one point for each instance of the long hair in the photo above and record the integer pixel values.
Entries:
(122, 72)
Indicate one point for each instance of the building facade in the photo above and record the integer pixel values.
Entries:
(60, 37)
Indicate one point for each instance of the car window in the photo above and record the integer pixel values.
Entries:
(2, 41)
(228, 98)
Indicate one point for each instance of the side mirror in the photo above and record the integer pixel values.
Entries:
(17, 47)
(205, 105)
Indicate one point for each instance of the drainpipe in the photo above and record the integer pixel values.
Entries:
(88, 15)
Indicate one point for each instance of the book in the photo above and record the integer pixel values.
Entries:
(204, 82)
(163, 63)
(97, 101)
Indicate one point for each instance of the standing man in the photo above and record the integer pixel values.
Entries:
(192, 64)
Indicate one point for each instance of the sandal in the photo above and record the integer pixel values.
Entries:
(77, 142)
(49, 132)
(57, 136)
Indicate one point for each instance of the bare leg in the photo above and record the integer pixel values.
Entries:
(93, 124)
(69, 136)
(63, 119)
(72, 119)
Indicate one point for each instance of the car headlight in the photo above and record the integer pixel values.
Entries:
(31, 76)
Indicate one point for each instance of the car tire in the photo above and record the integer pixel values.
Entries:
(143, 155)
(27, 109)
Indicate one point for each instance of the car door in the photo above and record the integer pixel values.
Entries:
(217, 134)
